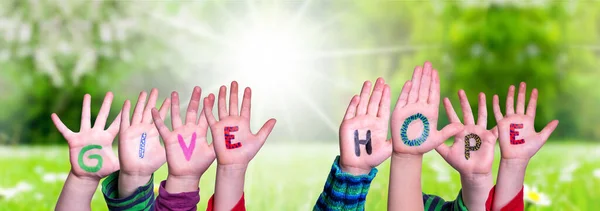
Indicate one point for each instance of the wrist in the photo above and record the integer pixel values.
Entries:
(232, 169)
(181, 184)
(83, 180)
(356, 171)
(407, 156)
(514, 162)
(128, 184)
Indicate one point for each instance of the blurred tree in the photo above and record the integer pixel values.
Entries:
(52, 53)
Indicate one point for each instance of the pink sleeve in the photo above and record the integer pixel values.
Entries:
(186, 201)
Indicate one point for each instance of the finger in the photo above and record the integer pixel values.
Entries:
(147, 115)
(384, 106)
(510, 100)
(375, 100)
(202, 122)
(452, 116)
(222, 104)
(434, 92)
(547, 131)
(451, 130)
(265, 130)
(425, 83)
(532, 103)
(125, 115)
(444, 151)
(160, 124)
(413, 95)
(496, 107)
(495, 131)
(209, 102)
(466, 108)
(403, 98)
(85, 113)
(233, 99)
(482, 111)
(175, 117)
(104, 111)
(351, 110)
(246, 103)
(113, 129)
(364, 98)
(138, 111)
(164, 108)
(192, 109)
(521, 98)
(62, 128)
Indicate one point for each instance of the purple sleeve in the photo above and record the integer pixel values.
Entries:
(185, 201)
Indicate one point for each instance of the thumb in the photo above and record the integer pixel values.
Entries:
(451, 130)
(547, 131)
(443, 150)
(265, 130)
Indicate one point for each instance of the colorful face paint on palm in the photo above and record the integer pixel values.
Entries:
(514, 133)
(91, 169)
(229, 137)
(187, 151)
(142, 146)
(468, 147)
(366, 142)
(418, 141)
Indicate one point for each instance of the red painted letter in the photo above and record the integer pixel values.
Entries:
(229, 137)
(514, 133)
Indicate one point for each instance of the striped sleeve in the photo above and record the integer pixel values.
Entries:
(344, 191)
(436, 203)
(141, 199)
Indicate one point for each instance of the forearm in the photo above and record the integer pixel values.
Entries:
(229, 186)
(405, 182)
(511, 175)
(475, 190)
(77, 193)
(128, 183)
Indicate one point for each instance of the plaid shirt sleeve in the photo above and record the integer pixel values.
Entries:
(344, 191)
(141, 199)
(436, 203)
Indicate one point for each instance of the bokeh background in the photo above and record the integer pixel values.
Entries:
(304, 60)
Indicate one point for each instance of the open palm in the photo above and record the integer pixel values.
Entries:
(366, 119)
(140, 150)
(188, 153)
(521, 141)
(479, 156)
(90, 150)
(414, 121)
(233, 140)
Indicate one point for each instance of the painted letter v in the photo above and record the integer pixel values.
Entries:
(187, 151)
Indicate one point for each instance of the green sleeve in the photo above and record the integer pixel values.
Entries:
(141, 199)
(436, 203)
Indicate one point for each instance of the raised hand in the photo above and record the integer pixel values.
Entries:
(476, 156)
(235, 144)
(90, 150)
(414, 120)
(518, 143)
(140, 150)
(472, 152)
(363, 133)
(518, 139)
(188, 153)
(233, 140)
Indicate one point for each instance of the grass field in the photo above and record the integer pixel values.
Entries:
(292, 177)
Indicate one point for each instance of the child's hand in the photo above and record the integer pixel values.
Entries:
(90, 150)
(234, 143)
(363, 132)
(476, 157)
(188, 153)
(518, 139)
(140, 150)
(414, 121)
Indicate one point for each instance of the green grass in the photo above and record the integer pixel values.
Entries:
(291, 177)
